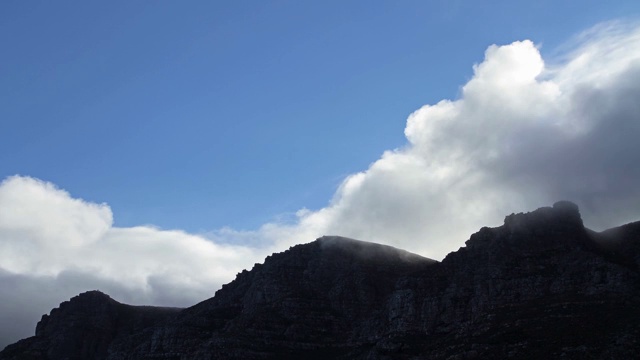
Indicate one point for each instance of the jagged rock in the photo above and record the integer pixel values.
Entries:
(540, 286)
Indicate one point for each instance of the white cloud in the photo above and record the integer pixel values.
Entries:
(45, 232)
(522, 134)
(41, 223)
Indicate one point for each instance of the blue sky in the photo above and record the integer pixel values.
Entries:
(219, 114)
(154, 149)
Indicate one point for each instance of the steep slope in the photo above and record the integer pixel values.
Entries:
(540, 286)
(322, 296)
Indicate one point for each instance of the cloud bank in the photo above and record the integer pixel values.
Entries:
(522, 133)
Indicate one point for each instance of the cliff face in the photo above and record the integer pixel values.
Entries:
(540, 286)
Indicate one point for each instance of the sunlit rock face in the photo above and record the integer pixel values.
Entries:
(540, 286)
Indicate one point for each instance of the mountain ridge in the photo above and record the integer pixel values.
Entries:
(540, 285)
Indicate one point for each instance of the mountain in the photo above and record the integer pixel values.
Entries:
(539, 286)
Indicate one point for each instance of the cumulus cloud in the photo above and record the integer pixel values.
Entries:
(523, 133)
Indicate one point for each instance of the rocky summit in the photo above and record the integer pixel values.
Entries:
(540, 286)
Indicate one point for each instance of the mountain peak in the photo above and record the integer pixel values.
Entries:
(562, 212)
(543, 229)
(368, 250)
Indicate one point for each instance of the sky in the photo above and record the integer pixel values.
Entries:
(152, 150)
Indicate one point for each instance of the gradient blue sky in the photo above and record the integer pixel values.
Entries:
(202, 114)
(237, 129)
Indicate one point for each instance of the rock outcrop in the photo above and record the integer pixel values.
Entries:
(85, 327)
(540, 286)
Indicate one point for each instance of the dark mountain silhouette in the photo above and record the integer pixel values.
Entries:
(540, 286)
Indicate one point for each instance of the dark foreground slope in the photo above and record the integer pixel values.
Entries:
(540, 286)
